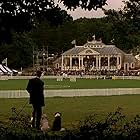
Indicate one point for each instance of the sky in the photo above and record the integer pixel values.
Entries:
(78, 13)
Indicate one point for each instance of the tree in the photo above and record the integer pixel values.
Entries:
(21, 15)
(59, 39)
(24, 16)
(125, 25)
(85, 4)
(132, 16)
(20, 52)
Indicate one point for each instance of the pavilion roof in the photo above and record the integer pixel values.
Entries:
(129, 58)
(106, 50)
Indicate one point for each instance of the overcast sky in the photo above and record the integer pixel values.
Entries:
(112, 4)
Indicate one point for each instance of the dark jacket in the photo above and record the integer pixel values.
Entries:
(35, 88)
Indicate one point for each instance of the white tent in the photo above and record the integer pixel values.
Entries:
(5, 70)
(8, 70)
(137, 57)
(1, 72)
(15, 71)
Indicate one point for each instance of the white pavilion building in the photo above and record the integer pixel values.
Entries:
(95, 56)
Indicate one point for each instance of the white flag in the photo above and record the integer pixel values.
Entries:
(4, 61)
(73, 42)
(93, 37)
(112, 41)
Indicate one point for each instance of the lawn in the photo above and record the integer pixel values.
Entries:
(67, 84)
(76, 108)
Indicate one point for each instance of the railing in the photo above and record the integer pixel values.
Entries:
(70, 76)
(72, 92)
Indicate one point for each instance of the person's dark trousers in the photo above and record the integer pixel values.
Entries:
(37, 112)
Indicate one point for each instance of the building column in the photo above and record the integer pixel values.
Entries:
(117, 60)
(70, 62)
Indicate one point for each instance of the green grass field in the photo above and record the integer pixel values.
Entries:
(76, 108)
(67, 84)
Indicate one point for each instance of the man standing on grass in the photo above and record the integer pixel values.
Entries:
(35, 88)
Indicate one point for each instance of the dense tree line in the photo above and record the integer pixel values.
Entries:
(23, 15)
(125, 25)
(25, 25)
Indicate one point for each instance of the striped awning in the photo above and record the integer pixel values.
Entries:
(5, 69)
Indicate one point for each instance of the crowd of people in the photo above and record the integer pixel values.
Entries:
(59, 72)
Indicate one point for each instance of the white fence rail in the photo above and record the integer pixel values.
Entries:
(69, 76)
(72, 92)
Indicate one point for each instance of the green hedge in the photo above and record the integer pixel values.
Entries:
(113, 127)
